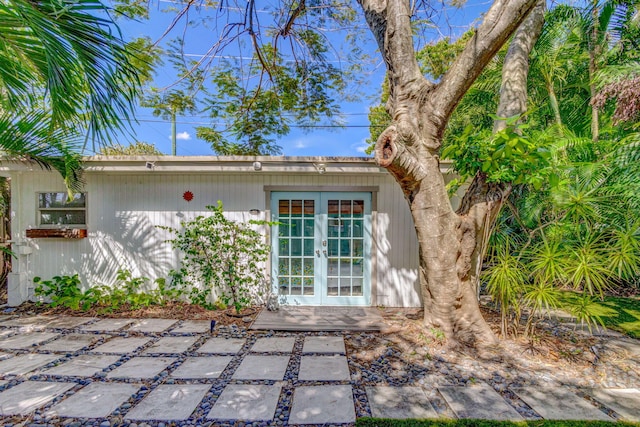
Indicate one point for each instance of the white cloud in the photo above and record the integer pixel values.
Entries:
(183, 136)
(361, 147)
(300, 144)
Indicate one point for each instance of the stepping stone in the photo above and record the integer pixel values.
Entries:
(222, 345)
(559, 404)
(171, 345)
(192, 327)
(478, 401)
(323, 345)
(325, 404)
(152, 325)
(625, 401)
(629, 346)
(68, 322)
(7, 332)
(29, 323)
(201, 367)
(121, 345)
(5, 355)
(24, 341)
(324, 368)
(107, 325)
(3, 383)
(25, 363)
(97, 400)
(86, 365)
(247, 402)
(274, 344)
(70, 343)
(169, 402)
(142, 367)
(262, 368)
(399, 402)
(30, 395)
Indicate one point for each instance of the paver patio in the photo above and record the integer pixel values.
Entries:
(202, 367)
(222, 345)
(559, 404)
(24, 341)
(96, 400)
(121, 345)
(169, 402)
(152, 325)
(86, 365)
(25, 363)
(142, 367)
(171, 345)
(29, 396)
(246, 402)
(228, 380)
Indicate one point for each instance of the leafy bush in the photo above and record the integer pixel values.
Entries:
(67, 291)
(222, 259)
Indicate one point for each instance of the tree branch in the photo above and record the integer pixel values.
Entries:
(500, 22)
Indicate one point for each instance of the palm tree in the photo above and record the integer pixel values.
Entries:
(65, 79)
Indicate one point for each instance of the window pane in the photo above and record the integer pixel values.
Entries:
(283, 227)
(62, 217)
(296, 247)
(296, 286)
(308, 247)
(284, 247)
(296, 267)
(296, 208)
(296, 227)
(283, 208)
(309, 208)
(357, 267)
(283, 268)
(357, 228)
(345, 207)
(309, 225)
(60, 200)
(332, 286)
(358, 208)
(332, 207)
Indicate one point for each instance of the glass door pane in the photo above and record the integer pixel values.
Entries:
(345, 244)
(296, 242)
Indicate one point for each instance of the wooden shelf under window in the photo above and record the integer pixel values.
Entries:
(68, 233)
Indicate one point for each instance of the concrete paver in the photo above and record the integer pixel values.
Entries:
(70, 343)
(559, 404)
(478, 401)
(192, 327)
(399, 402)
(23, 341)
(169, 402)
(29, 322)
(25, 363)
(171, 345)
(324, 368)
(624, 345)
(4, 355)
(141, 367)
(248, 402)
(3, 383)
(96, 400)
(68, 322)
(201, 367)
(222, 345)
(323, 404)
(28, 396)
(152, 325)
(273, 344)
(323, 345)
(86, 365)
(262, 368)
(626, 401)
(7, 332)
(121, 345)
(107, 325)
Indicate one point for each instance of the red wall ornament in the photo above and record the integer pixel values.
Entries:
(188, 196)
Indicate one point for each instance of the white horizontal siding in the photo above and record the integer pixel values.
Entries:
(124, 210)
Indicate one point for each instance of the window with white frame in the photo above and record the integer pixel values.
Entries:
(56, 209)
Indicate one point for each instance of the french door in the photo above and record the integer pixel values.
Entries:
(321, 247)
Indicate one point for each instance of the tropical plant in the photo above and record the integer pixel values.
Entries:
(65, 79)
(222, 260)
(139, 148)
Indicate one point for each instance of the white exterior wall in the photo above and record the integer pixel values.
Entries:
(123, 210)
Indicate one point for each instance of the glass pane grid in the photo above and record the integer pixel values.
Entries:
(296, 268)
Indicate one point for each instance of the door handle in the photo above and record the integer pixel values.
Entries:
(318, 252)
(325, 252)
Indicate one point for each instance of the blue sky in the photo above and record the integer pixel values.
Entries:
(347, 141)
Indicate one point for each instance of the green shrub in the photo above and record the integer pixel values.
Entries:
(221, 260)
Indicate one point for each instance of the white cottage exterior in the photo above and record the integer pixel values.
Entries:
(345, 237)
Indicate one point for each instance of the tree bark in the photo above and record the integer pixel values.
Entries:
(483, 201)
(409, 148)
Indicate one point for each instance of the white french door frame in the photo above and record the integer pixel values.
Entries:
(324, 256)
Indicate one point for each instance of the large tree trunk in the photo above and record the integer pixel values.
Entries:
(409, 150)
